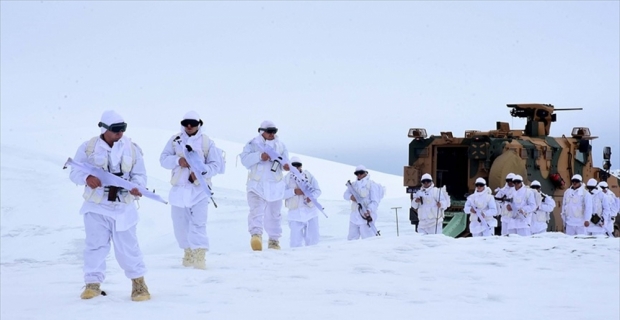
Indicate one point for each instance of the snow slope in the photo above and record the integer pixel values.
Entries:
(392, 277)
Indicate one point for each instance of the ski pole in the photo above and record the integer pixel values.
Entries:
(396, 208)
(437, 217)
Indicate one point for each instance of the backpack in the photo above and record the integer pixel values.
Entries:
(381, 189)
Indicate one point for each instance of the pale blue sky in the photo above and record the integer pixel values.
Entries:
(342, 80)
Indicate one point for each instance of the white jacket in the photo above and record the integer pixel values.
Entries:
(600, 206)
(299, 209)
(523, 206)
(268, 184)
(184, 193)
(576, 206)
(542, 214)
(124, 156)
(614, 205)
(369, 191)
(612, 202)
(428, 212)
(506, 191)
(484, 203)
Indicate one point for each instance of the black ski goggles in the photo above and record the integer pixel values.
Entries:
(296, 164)
(427, 181)
(190, 122)
(479, 184)
(115, 127)
(509, 180)
(270, 130)
(359, 173)
(535, 187)
(517, 181)
(575, 181)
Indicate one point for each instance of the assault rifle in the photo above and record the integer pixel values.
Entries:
(197, 166)
(362, 208)
(302, 182)
(109, 179)
(596, 219)
(481, 219)
(504, 199)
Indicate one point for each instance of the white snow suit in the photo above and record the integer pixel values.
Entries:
(188, 200)
(542, 214)
(431, 216)
(106, 220)
(506, 216)
(484, 203)
(265, 188)
(303, 216)
(523, 206)
(600, 207)
(369, 191)
(612, 203)
(576, 209)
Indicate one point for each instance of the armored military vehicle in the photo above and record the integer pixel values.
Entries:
(456, 162)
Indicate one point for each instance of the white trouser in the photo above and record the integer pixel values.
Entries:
(307, 232)
(573, 231)
(610, 227)
(504, 228)
(431, 229)
(190, 225)
(355, 231)
(485, 233)
(264, 214)
(520, 231)
(538, 227)
(597, 233)
(100, 230)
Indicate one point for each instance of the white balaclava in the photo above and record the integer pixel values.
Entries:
(296, 159)
(427, 176)
(361, 168)
(109, 118)
(192, 115)
(485, 190)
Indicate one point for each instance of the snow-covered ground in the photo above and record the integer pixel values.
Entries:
(390, 277)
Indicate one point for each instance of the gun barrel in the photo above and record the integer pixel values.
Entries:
(567, 109)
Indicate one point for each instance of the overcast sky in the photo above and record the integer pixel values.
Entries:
(342, 80)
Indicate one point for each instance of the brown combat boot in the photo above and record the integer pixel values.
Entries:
(199, 258)
(188, 258)
(92, 290)
(274, 244)
(256, 242)
(139, 290)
